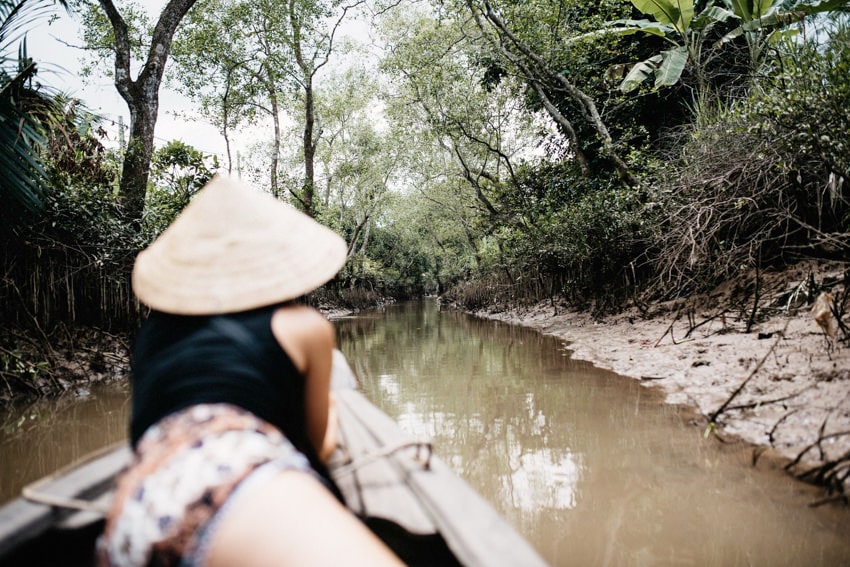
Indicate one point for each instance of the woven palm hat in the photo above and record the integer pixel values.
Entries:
(234, 248)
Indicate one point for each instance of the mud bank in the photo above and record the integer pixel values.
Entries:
(794, 381)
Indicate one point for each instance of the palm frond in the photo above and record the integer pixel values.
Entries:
(23, 177)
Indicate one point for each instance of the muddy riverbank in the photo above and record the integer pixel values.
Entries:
(794, 381)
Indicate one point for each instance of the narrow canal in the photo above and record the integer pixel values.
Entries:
(591, 467)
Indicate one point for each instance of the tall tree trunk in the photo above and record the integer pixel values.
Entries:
(307, 70)
(136, 168)
(308, 65)
(142, 98)
(365, 242)
(225, 110)
(275, 165)
(309, 148)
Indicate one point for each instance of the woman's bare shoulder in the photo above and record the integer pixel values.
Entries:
(298, 319)
(302, 332)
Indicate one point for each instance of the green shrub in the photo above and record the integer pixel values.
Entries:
(572, 236)
(761, 181)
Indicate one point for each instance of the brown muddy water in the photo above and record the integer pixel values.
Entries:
(591, 467)
(38, 438)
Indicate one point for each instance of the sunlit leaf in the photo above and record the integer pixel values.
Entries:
(624, 28)
(640, 73)
(677, 13)
(672, 64)
(712, 16)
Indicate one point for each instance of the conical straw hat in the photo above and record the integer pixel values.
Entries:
(232, 249)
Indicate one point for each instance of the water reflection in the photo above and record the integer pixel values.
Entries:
(593, 468)
(36, 439)
(488, 396)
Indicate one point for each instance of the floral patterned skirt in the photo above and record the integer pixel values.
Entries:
(184, 470)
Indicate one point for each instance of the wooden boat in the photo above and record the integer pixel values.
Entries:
(406, 495)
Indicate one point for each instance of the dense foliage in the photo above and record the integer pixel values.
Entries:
(23, 109)
(738, 151)
(759, 181)
(491, 151)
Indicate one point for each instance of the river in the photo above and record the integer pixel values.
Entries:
(591, 467)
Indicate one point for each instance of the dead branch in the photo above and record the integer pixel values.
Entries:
(696, 326)
(669, 330)
(751, 320)
(760, 403)
(770, 435)
(832, 474)
(817, 443)
(740, 388)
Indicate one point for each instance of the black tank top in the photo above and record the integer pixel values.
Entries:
(180, 361)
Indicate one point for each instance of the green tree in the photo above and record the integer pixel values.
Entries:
(690, 34)
(214, 66)
(354, 162)
(120, 38)
(311, 43)
(182, 169)
(441, 101)
(525, 59)
(178, 171)
(264, 54)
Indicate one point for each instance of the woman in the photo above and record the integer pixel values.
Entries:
(232, 413)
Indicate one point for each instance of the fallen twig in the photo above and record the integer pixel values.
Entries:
(706, 320)
(778, 423)
(759, 403)
(740, 388)
(670, 331)
(830, 500)
(817, 443)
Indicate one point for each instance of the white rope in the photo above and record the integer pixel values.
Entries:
(374, 455)
(31, 494)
